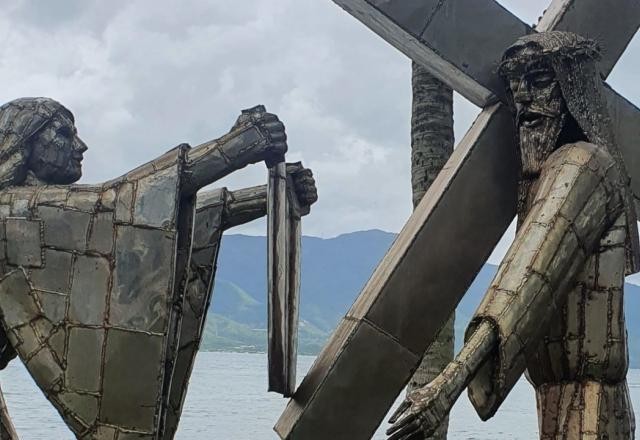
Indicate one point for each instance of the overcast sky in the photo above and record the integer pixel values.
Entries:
(144, 76)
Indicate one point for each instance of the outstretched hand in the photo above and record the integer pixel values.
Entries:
(426, 408)
(304, 184)
(270, 126)
(421, 413)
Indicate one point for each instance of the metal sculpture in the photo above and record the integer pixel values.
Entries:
(105, 288)
(555, 308)
(377, 346)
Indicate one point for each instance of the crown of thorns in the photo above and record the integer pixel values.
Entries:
(552, 45)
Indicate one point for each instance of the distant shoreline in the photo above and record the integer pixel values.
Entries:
(250, 351)
(259, 351)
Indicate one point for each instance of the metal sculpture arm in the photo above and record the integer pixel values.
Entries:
(248, 204)
(437, 398)
(256, 136)
(579, 196)
(244, 205)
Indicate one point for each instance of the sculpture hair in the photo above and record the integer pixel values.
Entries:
(20, 120)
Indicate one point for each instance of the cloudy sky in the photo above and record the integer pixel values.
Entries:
(143, 76)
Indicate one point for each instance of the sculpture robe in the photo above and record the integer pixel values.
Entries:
(571, 246)
(92, 295)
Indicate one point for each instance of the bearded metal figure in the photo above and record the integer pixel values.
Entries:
(554, 310)
(104, 288)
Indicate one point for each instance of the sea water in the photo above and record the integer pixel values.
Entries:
(227, 400)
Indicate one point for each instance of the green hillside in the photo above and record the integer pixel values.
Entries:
(333, 273)
(237, 322)
(223, 334)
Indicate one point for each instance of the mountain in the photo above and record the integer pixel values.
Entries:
(333, 272)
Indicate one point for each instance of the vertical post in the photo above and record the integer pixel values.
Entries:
(283, 259)
(283, 248)
(293, 293)
(277, 276)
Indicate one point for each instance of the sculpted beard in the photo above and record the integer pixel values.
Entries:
(538, 142)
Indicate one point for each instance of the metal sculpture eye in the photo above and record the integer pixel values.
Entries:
(541, 79)
(65, 131)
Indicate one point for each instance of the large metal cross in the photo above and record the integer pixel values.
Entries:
(413, 291)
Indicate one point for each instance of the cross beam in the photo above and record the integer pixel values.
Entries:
(462, 44)
(467, 59)
(377, 346)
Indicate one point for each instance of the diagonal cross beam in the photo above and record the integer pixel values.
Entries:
(467, 59)
(462, 43)
(378, 345)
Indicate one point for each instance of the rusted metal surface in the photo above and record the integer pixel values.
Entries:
(443, 36)
(376, 347)
(294, 230)
(208, 228)
(555, 306)
(92, 318)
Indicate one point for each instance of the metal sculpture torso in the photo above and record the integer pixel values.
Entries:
(105, 288)
(88, 293)
(583, 361)
(556, 304)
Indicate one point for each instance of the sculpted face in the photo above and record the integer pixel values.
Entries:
(540, 108)
(56, 155)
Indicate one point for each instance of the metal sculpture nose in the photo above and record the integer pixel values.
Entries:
(79, 145)
(522, 94)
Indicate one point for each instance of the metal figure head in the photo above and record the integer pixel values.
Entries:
(556, 92)
(38, 143)
(538, 69)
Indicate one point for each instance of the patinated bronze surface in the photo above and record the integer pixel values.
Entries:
(555, 307)
(105, 287)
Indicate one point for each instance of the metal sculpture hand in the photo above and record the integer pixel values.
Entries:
(270, 126)
(422, 412)
(427, 407)
(304, 184)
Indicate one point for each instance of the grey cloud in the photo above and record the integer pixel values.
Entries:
(142, 76)
(47, 14)
(83, 15)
